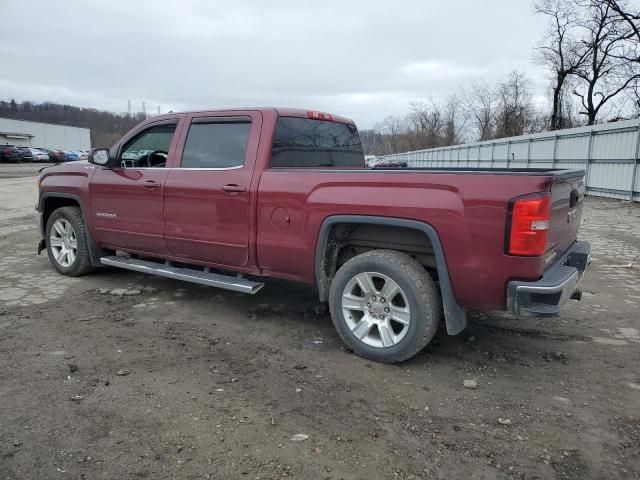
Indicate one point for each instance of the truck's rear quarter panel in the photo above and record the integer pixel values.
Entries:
(468, 211)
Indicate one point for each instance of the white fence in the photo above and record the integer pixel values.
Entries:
(607, 152)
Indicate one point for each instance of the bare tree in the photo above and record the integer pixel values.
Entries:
(608, 73)
(631, 17)
(480, 105)
(515, 114)
(429, 124)
(437, 125)
(560, 51)
(392, 130)
(504, 110)
(454, 121)
(427, 121)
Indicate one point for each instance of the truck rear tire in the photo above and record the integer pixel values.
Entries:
(385, 306)
(67, 245)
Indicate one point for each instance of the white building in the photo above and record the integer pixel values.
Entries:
(47, 135)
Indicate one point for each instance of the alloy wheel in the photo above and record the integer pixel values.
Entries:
(63, 242)
(376, 309)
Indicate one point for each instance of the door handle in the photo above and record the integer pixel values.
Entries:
(233, 188)
(150, 184)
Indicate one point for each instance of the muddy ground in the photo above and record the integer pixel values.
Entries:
(182, 381)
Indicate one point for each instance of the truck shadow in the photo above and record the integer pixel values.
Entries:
(289, 306)
(498, 339)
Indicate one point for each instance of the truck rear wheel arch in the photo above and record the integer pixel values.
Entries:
(334, 238)
(50, 202)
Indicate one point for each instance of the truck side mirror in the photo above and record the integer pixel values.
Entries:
(99, 156)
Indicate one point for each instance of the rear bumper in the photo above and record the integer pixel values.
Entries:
(559, 283)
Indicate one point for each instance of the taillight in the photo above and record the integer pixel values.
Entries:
(529, 225)
(319, 115)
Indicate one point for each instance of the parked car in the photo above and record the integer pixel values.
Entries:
(26, 154)
(71, 156)
(382, 162)
(60, 156)
(284, 193)
(82, 154)
(53, 155)
(39, 155)
(390, 164)
(9, 153)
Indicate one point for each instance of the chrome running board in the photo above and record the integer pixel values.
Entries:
(237, 284)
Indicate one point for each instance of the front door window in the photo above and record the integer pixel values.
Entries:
(149, 149)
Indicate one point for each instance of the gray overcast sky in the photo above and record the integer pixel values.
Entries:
(361, 59)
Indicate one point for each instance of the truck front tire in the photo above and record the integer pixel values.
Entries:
(67, 245)
(385, 306)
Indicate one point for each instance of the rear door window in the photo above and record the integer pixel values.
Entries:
(216, 143)
(305, 142)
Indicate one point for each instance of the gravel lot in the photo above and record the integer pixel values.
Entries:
(182, 381)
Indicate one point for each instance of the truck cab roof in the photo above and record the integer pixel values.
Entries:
(280, 111)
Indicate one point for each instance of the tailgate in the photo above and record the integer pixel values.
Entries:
(567, 197)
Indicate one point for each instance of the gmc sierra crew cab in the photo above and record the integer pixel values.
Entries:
(229, 198)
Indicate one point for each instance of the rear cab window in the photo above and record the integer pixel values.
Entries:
(306, 142)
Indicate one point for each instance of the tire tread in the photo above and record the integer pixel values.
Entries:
(83, 266)
(427, 292)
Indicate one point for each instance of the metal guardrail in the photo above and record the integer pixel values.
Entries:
(609, 153)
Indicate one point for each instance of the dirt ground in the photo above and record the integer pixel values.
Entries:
(182, 381)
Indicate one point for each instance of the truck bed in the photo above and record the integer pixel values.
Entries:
(470, 216)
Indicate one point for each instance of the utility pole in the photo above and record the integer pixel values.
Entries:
(144, 108)
(129, 107)
(158, 109)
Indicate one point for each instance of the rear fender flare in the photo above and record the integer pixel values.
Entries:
(455, 315)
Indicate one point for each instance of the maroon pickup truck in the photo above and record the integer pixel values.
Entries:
(228, 198)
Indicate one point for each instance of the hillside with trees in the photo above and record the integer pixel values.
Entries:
(106, 127)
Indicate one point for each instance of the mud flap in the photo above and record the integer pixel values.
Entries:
(95, 252)
(455, 317)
